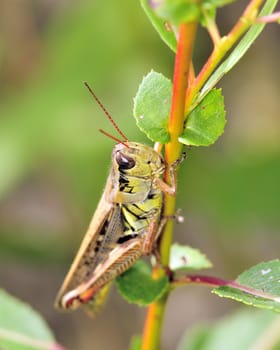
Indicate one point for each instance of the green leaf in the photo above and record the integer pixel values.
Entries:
(239, 51)
(178, 11)
(261, 286)
(152, 106)
(138, 286)
(22, 328)
(251, 326)
(167, 35)
(186, 258)
(206, 122)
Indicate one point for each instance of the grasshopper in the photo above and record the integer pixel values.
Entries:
(125, 226)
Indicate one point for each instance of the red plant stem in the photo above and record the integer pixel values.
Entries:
(182, 69)
(181, 280)
(202, 279)
(273, 17)
(154, 318)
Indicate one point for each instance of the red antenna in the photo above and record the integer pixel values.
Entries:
(108, 116)
(114, 138)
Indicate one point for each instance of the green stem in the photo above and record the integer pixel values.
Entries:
(212, 28)
(154, 318)
(221, 48)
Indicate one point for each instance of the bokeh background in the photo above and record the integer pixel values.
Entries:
(54, 162)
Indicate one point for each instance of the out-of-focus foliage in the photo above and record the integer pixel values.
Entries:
(243, 330)
(49, 127)
(54, 162)
(22, 328)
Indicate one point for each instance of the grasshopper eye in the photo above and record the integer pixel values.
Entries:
(124, 162)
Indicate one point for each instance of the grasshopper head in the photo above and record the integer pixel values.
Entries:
(137, 160)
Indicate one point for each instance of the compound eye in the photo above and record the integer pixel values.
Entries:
(124, 161)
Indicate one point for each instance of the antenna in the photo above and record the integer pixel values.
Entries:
(113, 137)
(107, 114)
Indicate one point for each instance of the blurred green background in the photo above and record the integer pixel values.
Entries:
(54, 162)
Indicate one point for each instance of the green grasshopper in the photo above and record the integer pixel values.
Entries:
(125, 226)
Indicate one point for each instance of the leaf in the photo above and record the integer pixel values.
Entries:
(206, 122)
(185, 258)
(152, 106)
(259, 286)
(239, 51)
(167, 35)
(177, 11)
(22, 328)
(138, 286)
(252, 328)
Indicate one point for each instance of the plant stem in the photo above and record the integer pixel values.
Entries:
(274, 17)
(182, 98)
(211, 281)
(221, 48)
(183, 68)
(153, 324)
(212, 28)
(154, 318)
